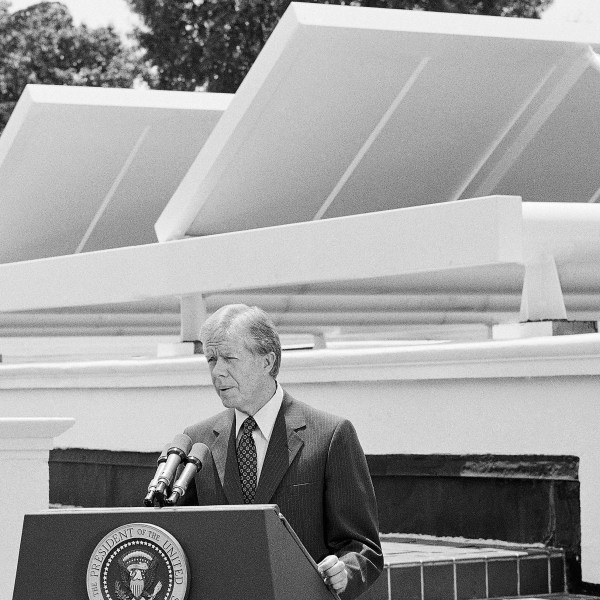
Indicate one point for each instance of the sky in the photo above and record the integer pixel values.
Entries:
(96, 13)
(577, 11)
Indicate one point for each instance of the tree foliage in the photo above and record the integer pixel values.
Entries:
(212, 44)
(40, 44)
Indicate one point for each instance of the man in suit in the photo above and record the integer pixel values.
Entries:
(269, 448)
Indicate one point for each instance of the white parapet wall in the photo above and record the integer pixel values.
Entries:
(535, 396)
(24, 447)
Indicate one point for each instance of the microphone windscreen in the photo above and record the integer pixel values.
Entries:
(182, 442)
(200, 452)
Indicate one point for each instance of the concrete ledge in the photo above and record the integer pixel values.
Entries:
(536, 357)
(24, 430)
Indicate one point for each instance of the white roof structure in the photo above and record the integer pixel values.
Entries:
(345, 167)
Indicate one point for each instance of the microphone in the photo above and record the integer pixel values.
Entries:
(162, 459)
(177, 452)
(195, 460)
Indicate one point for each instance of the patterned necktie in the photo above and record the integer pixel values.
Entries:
(246, 456)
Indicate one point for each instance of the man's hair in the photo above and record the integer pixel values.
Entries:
(254, 323)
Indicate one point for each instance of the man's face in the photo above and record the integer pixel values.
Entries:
(240, 377)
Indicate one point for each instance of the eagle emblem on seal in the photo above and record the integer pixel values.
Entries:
(137, 574)
(138, 561)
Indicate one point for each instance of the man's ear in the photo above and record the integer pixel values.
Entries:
(269, 361)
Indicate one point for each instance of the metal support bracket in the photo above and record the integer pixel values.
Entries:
(193, 314)
(542, 297)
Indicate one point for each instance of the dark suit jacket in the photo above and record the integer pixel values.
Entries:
(316, 472)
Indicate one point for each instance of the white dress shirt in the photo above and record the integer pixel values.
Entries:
(265, 421)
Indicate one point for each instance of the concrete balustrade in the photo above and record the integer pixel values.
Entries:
(24, 447)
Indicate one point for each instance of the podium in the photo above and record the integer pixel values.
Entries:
(215, 552)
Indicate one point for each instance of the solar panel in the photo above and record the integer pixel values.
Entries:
(86, 169)
(350, 110)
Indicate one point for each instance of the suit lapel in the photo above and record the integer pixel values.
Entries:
(224, 456)
(286, 440)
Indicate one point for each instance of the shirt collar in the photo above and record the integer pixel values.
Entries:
(265, 417)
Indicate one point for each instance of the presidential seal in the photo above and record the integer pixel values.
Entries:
(137, 561)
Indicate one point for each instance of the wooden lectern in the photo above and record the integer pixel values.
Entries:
(233, 552)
